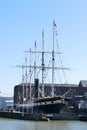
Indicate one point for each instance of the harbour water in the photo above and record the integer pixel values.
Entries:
(11, 124)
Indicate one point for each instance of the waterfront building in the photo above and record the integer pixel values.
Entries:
(22, 91)
(6, 101)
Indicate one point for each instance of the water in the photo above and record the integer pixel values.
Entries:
(8, 124)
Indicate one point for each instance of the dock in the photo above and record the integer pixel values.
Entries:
(38, 116)
(23, 116)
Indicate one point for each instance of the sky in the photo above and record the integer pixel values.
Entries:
(21, 23)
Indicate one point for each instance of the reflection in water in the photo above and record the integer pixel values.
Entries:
(8, 124)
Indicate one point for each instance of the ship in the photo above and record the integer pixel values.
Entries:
(38, 102)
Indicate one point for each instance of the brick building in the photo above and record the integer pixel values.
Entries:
(22, 91)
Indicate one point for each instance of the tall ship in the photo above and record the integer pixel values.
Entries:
(36, 101)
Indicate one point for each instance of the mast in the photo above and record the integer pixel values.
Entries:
(26, 76)
(23, 87)
(53, 60)
(30, 74)
(35, 63)
(42, 63)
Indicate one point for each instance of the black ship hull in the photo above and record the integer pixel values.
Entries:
(51, 105)
(49, 108)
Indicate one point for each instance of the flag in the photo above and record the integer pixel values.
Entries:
(54, 23)
(35, 43)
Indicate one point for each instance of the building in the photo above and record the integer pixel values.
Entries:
(22, 91)
(6, 101)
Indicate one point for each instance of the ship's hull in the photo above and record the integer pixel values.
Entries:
(51, 105)
(49, 108)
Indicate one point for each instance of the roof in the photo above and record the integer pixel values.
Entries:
(49, 84)
(83, 83)
(8, 95)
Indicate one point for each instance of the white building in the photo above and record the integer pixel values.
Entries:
(6, 101)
